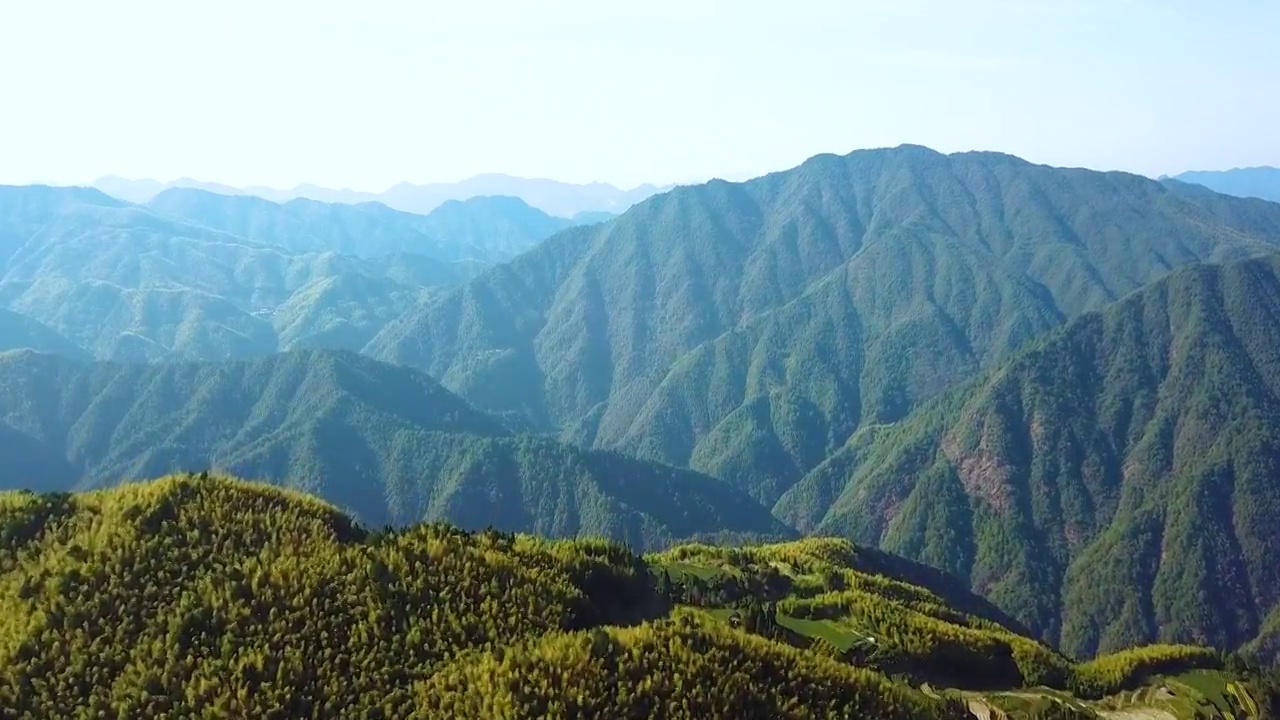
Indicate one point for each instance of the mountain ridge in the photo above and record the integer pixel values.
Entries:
(746, 329)
(559, 199)
(198, 275)
(1108, 486)
(488, 229)
(1262, 181)
(387, 443)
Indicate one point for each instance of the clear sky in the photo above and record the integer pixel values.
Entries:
(367, 93)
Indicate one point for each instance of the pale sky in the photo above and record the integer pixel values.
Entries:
(366, 94)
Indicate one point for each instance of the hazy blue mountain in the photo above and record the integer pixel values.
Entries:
(591, 217)
(491, 227)
(483, 229)
(747, 329)
(555, 198)
(123, 282)
(134, 191)
(386, 443)
(1253, 182)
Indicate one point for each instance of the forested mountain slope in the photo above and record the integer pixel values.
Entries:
(229, 599)
(1115, 484)
(19, 331)
(747, 329)
(386, 443)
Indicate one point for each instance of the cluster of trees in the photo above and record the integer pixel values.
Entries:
(207, 596)
(681, 668)
(189, 595)
(901, 628)
(1129, 668)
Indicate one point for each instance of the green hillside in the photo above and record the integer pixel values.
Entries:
(385, 443)
(1113, 485)
(218, 598)
(747, 329)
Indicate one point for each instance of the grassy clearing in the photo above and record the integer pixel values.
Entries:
(833, 632)
(702, 572)
(1207, 684)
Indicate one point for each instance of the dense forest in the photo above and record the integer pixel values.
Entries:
(210, 597)
(747, 329)
(1113, 485)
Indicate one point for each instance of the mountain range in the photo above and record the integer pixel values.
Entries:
(1255, 182)
(566, 200)
(747, 330)
(198, 275)
(387, 444)
(1055, 385)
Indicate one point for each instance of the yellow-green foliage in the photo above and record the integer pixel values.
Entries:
(237, 600)
(1128, 669)
(916, 632)
(215, 598)
(685, 667)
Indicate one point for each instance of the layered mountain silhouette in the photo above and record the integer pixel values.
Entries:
(481, 229)
(1054, 384)
(560, 199)
(746, 330)
(387, 444)
(1254, 182)
(198, 275)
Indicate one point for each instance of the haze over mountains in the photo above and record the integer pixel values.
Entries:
(1042, 381)
(1256, 182)
(199, 275)
(556, 198)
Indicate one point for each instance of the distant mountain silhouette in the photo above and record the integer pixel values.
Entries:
(551, 196)
(1251, 182)
(199, 275)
